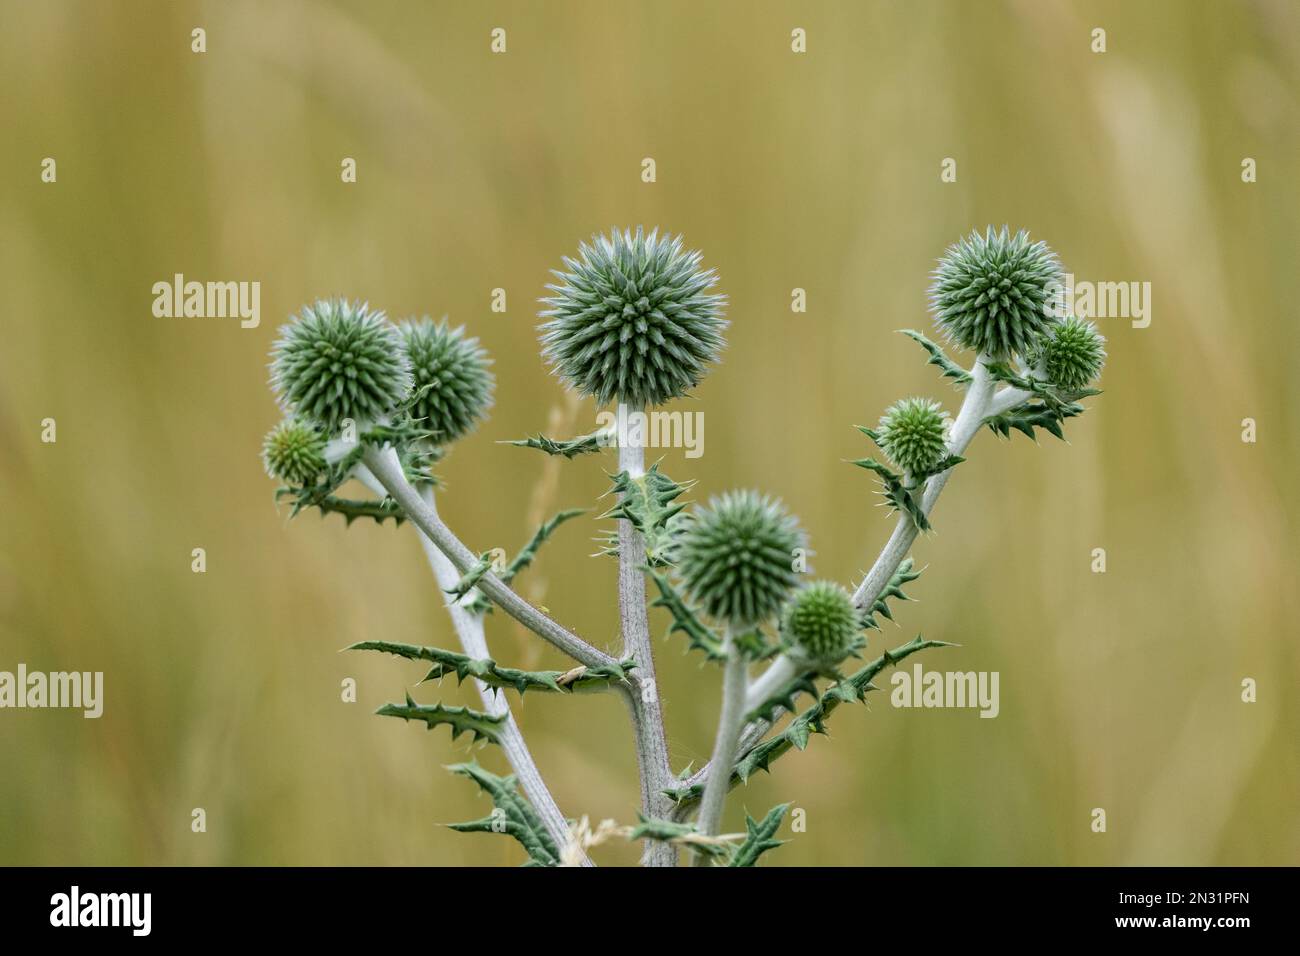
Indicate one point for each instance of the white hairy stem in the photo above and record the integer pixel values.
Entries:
(1007, 399)
(735, 676)
(980, 403)
(362, 474)
(779, 673)
(383, 463)
(653, 768)
(473, 640)
(974, 409)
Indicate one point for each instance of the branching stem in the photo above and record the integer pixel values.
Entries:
(469, 628)
(383, 463)
(975, 408)
(778, 674)
(979, 404)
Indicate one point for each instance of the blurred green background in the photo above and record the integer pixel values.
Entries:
(476, 171)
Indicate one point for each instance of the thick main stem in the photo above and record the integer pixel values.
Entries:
(383, 463)
(734, 680)
(469, 629)
(653, 768)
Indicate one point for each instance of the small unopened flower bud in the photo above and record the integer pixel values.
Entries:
(294, 451)
(913, 433)
(821, 624)
(1071, 355)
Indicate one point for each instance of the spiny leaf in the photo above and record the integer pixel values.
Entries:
(570, 448)
(938, 468)
(309, 496)
(513, 815)
(760, 836)
(650, 503)
(783, 698)
(949, 368)
(472, 576)
(479, 604)
(460, 719)
(682, 834)
(1025, 418)
(894, 589)
(494, 675)
(1047, 393)
(376, 509)
(895, 493)
(525, 557)
(811, 721)
(700, 638)
(664, 830)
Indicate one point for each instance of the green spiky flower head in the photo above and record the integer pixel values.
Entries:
(1071, 355)
(294, 451)
(821, 624)
(736, 557)
(994, 293)
(632, 319)
(338, 360)
(913, 432)
(454, 370)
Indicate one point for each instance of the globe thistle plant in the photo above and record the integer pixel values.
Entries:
(821, 624)
(338, 361)
(736, 557)
(632, 319)
(991, 292)
(1071, 355)
(294, 452)
(450, 377)
(913, 433)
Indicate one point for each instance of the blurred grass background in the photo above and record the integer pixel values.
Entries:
(478, 171)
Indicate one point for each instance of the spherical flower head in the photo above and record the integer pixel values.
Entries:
(454, 370)
(993, 293)
(1071, 355)
(294, 451)
(821, 624)
(913, 432)
(632, 320)
(339, 361)
(736, 557)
